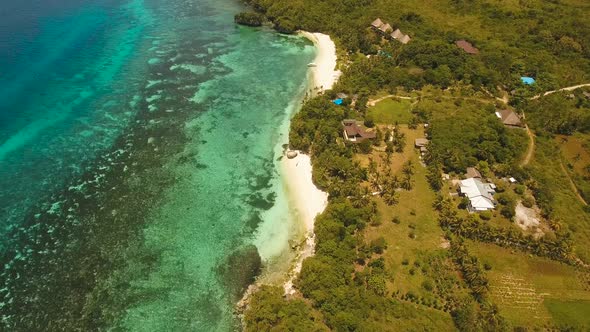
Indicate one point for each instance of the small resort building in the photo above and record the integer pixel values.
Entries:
(397, 34)
(405, 39)
(386, 29)
(421, 143)
(509, 118)
(377, 23)
(472, 172)
(467, 47)
(354, 131)
(480, 194)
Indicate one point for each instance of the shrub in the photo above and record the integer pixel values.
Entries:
(519, 189)
(365, 146)
(528, 201)
(507, 211)
(396, 220)
(378, 245)
(427, 285)
(405, 261)
(464, 202)
(485, 215)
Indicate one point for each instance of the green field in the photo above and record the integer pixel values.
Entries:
(564, 205)
(570, 313)
(534, 291)
(391, 110)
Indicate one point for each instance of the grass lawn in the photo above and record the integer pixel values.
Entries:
(524, 286)
(566, 206)
(574, 152)
(417, 239)
(390, 111)
(398, 159)
(574, 149)
(570, 313)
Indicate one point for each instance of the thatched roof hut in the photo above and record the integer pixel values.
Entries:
(397, 34)
(386, 28)
(509, 118)
(377, 23)
(472, 172)
(466, 46)
(405, 39)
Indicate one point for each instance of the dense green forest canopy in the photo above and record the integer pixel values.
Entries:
(548, 40)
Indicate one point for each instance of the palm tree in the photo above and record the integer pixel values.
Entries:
(408, 168)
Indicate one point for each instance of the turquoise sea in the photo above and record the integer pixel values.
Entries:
(139, 181)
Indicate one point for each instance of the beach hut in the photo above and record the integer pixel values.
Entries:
(466, 46)
(377, 23)
(386, 28)
(338, 101)
(509, 118)
(527, 80)
(421, 143)
(397, 34)
(405, 39)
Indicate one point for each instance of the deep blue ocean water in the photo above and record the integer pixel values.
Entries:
(137, 160)
(60, 94)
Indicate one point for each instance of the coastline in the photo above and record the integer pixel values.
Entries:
(306, 200)
(324, 73)
(309, 201)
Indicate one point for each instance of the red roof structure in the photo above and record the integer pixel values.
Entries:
(466, 46)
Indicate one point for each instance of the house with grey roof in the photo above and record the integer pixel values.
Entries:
(480, 194)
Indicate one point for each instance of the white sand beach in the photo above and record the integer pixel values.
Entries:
(306, 201)
(324, 72)
(309, 202)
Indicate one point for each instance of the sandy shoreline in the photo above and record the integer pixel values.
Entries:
(324, 73)
(309, 200)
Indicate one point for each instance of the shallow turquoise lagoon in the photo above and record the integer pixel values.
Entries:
(138, 155)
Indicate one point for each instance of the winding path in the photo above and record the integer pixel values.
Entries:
(531, 148)
(373, 102)
(572, 184)
(569, 88)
